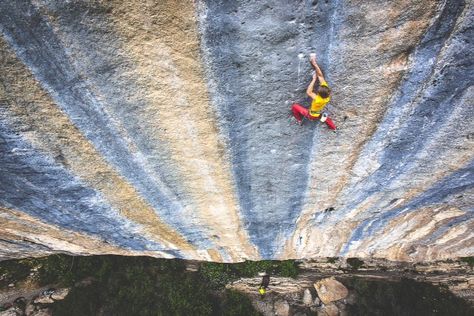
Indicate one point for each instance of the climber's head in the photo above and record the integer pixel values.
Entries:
(262, 290)
(324, 91)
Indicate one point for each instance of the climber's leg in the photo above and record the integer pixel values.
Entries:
(330, 123)
(299, 111)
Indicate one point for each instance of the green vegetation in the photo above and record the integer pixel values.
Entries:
(114, 285)
(137, 287)
(468, 260)
(13, 270)
(405, 297)
(66, 270)
(332, 259)
(219, 274)
(59, 269)
(355, 263)
(142, 285)
(237, 304)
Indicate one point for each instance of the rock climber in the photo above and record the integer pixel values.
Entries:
(319, 99)
(265, 283)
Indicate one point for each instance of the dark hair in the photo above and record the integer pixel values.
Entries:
(324, 91)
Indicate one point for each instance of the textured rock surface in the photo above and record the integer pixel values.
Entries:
(457, 277)
(307, 298)
(60, 294)
(330, 290)
(163, 128)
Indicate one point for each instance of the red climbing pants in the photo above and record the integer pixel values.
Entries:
(299, 111)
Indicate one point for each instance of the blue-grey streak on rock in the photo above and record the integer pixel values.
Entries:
(99, 66)
(325, 35)
(411, 137)
(244, 47)
(453, 185)
(432, 102)
(420, 63)
(40, 187)
(357, 191)
(324, 22)
(8, 248)
(435, 235)
(219, 34)
(24, 246)
(39, 48)
(421, 72)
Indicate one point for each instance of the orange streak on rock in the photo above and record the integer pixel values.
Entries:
(51, 131)
(178, 112)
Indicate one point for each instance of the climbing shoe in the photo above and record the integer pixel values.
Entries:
(324, 116)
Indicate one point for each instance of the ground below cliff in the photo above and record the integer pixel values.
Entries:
(114, 285)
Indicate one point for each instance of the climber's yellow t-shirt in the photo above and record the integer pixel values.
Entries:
(319, 103)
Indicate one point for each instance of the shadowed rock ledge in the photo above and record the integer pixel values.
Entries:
(163, 128)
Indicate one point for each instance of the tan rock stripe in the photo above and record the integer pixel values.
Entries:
(461, 244)
(445, 163)
(438, 170)
(404, 231)
(418, 251)
(406, 197)
(177, 101)
(54, 134)
(411, 190)
(315, 236)
(16, 225)
(432, 170)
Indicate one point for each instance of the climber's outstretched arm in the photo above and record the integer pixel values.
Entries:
(319, 73)
(310, 90)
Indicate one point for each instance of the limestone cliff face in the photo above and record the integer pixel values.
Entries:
(163, 128)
